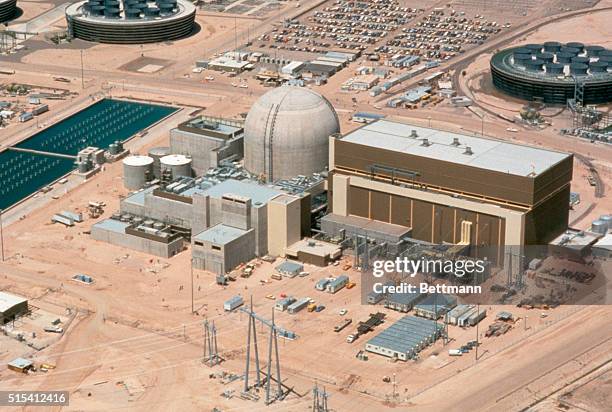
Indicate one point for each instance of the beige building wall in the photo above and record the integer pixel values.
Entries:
(515, 220)
(284, 223)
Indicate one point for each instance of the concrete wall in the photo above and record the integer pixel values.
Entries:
(140, 244)
(205, 151)
(284, 229)
(224, 258)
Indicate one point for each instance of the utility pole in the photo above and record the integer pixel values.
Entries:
(192, 308)
(477, 342)
(482, 125)
(82, 72)
(210, 350)
(394, 386)
(525, 322)
(1, 235)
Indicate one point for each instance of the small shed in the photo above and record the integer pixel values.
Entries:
(290, 269)
(20, 365)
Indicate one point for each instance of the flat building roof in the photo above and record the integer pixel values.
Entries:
(487, 153)
(7, 301)
(220, 234)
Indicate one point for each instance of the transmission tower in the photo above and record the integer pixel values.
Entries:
(273, 337)
(319, 399)
(248, 354)
(210, 353)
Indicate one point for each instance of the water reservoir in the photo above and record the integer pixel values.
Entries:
(100, 124)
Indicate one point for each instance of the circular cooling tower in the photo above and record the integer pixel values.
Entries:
(286, 133)
(136, 171)
(179, 165)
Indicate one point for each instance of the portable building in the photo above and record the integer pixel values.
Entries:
(295, 307)
(336, 284)
(233, 303)
(282, 304)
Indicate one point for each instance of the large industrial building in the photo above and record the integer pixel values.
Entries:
(130, 21)
(8, 9)
(442, 187)
(553, 72)
(286, 132)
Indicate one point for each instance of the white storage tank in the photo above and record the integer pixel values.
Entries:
(137, 170)
(180, 165)
(157, 153)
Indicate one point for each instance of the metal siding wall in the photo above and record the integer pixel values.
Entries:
(359, 204)
(400, 211)
(460, 178)
(379, 206)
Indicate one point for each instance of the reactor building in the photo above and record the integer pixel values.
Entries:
(286, 133)
(130, 21)
(390, 180)
(8, 8)
(553, 72)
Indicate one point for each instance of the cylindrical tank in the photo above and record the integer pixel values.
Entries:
(522, 50)
(593, 51)
(599, 226)
(580, 59)
(157, 153)
(606, 58)
(179, 165)
(158, 225)
(598, 67)
(136, 171)
(113, 149)
(535, 48)
(576, 45)
(534, 65)
(545, 57)
(137, 221)
(83, 167)
(554, 68)
(607, 219)
(148, 223)
(552, 46)
(119, 145)
(126, 217)
(571, 50)
(521, 59)
(563, 57)
(578, 68)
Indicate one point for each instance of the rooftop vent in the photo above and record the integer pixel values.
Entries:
(455, 141)
(468, 151)
(426, 143)
(413, 133)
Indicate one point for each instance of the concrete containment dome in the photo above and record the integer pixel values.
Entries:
(286, 133)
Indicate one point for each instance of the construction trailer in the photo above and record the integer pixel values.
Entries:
(405, 338)
(298, 305)
(403, 302)
(282, 304)
(336, 284)
(452, 317)
(322, 284)
(233, 303)
(435, 306)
